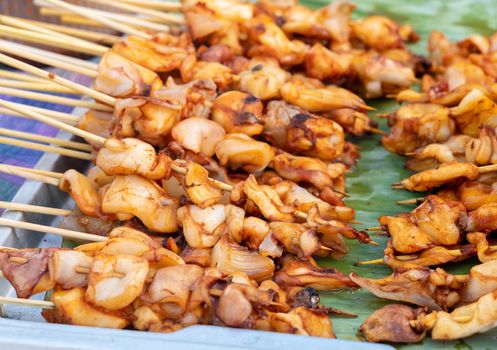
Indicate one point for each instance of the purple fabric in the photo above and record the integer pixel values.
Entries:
(9, 185)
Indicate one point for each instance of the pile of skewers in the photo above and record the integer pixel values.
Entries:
(448, 131)
(219, 154)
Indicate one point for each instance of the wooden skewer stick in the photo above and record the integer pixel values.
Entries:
(45, 148)
(65, 117)
(20, 76)
(18, 171)
(52, 140)
(376, 228)
(37, 171)
(55, 123)
(89, 13)
(376, 131)
(69, 17)
(40, 38)
(167, 18)
(81, 33)
(50, 57)
(46, 86)
(6, 47)
(27, 302)
(55, 99)
(52, 77)
(157, 5)
(70, 234)
(411, 201)
(453, 252)
(34, 209)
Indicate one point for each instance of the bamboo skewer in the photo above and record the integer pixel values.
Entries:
(52, 140)
(411, 201)
(34, 209)
(46, 86)
(55, 99)
(36, 171)
(21, 76)
(18, 171)
(69, 17)
(21, 34)
(69, 234)
(52, 122)
(157, 5)
(45, 148)
(65, 117)
(27, 302)
(81, 33)
(17, 50)
(89, 13)
(59, 80)
(167, 18)
(67, 59)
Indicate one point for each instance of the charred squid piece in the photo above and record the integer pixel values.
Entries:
(434, 256)
(120, 77)
(434, 222)
(27, 270)
(434, 289)
(353, 122)
(82, 191)
(481, 280)
(483, 150)
(200, 189)
(263, 78)
(391, 323)
(97, 123)
(294, 272)
(164, 53)
(483, 250)
(482, 219)
(242, 151)
(133, 195)
(219, 73)
(131, 156)
(324, 64)
(474, 110)
(147, 118)
(297, 239)
(444, 174)
(239, 112)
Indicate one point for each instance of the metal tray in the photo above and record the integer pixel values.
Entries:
(23, 328)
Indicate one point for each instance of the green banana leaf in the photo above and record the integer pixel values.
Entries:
(369, 183)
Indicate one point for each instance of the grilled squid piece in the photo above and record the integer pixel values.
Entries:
(120, 77)
(133, 195)
(202, 228)
(229, 257)
(263, 78)
(417, 126)
(464, 321)
(296, 238)
(483, 150)
(114, 282)
(82, 191)
(27, 270)
(271, 40)
(164, 53)
(444, 174)
(483, 250)
(482, 219)
(97, 123)
(434, 289)
(391, 323)
(191, 98)
(295, 272)
(294, 195)
(242, 151)
(131, 156)
(306, 169)
(200, 189)
(381, 75)
(474, 111)
(148, 118)
(476, 194)
(63, 268)
(198, 135)
(324, 64)
(381, 33)
(481, 280)
(321, 100)
(330, 22)
(353, 122)
(219, 73)
(71, 307)
(434, 222)
(238, 112)
(264, 197)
